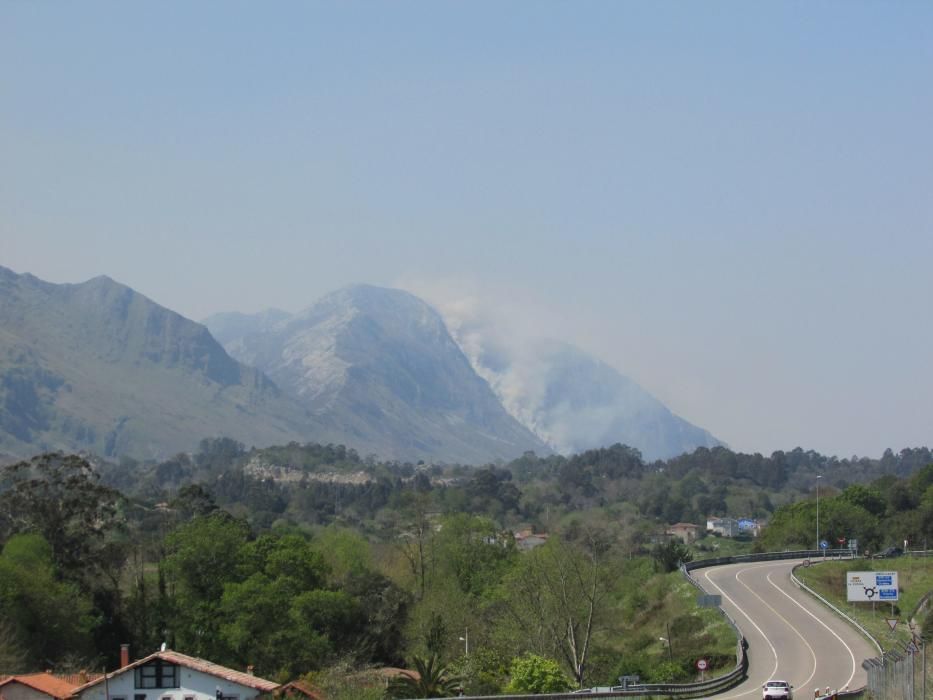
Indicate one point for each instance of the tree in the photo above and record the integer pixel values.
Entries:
(61, 498)
(432, 681)
(44, 618)
(536, 674)
(557, 596)
(12, 656)
(668, 556)
(471, 551)
(202, 556)
(416, 543)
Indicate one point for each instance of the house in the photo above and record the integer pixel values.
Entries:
(727, 527)
(171, 675)
(685, 532)
(659, 539)
(748, 526)
(526, 540)
(37, 686)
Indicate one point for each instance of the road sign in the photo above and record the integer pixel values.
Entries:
(702, 664)
(806, 562)
(870, 586)
(709, 601)
(824, 544)
(892, 622)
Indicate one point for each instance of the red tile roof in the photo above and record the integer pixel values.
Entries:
(300, 688)
(44, 683)
(175, 657)
(77, 679)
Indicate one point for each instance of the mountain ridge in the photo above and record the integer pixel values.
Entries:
(97, 366)
(372, 360)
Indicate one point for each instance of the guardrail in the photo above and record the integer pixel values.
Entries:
(800, 584)
(701, 688)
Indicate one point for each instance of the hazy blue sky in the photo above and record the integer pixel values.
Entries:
(730, 202)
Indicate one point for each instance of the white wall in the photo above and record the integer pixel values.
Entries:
(194, 684)
(19, 691)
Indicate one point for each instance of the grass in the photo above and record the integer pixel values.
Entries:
(665, 605)
(712, 546)
(915, 579)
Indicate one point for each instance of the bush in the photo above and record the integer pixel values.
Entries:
(535, 674)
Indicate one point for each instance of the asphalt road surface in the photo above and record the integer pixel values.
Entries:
(791, 636)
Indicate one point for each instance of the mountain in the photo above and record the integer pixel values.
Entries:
(378, 367)
(98, 367)
(571, 400)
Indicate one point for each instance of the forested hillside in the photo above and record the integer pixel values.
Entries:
(309, 559)
(321, 484)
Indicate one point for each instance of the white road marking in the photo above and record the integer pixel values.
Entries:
(831, 631)
(754, 624)
(779, 616)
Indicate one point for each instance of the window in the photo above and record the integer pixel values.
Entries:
(139, 696)
(157, 674)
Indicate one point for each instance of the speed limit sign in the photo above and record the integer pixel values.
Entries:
(702, 664)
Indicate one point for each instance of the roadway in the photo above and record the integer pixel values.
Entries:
(791, 636)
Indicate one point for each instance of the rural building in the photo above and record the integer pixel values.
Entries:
(37, 686)
(727, 527)
(526, 540)
(685, 532)
(170, 675)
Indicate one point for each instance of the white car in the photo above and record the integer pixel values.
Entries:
(777, 690)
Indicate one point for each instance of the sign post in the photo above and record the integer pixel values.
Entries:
(872, 586)
(702, 665)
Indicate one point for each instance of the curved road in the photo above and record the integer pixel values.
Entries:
(791, 636)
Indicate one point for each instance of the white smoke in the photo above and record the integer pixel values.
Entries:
(499, 339)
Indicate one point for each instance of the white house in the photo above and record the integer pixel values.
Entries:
(727, 527)
(170, 675)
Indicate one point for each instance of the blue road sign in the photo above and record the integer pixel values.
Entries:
(824, 545)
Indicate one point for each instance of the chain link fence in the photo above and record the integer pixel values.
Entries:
(901, 674)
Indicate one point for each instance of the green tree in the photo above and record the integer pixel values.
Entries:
(557, 597)
(203, 556)
(432, 681)
(280, 617)
(46, 619)
(667, 556)
(536, 674)
(12, 655)
(346, 552)
(472, 551)
(61, 498)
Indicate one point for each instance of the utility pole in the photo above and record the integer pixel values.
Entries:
(818, 477)
(466, 641)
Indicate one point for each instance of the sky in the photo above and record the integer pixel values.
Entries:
(729, 202)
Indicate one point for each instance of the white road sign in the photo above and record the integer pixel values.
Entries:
(868, 586)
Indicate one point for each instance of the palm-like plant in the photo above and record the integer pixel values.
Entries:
(433, 681)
